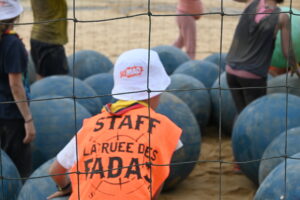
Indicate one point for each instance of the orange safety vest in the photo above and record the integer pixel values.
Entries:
(114, 155)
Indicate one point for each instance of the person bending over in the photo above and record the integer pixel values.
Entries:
(252, 48)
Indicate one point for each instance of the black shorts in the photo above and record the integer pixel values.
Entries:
(49, 59)
(12, 133)
(246, 90)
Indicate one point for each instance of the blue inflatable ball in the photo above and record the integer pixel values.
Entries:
(194, 94)
(55, 125)
(40, 185)
(282, 182)
(31, 69)
(258, 124)
(287, 143)
(102, 85)
(87, 63)
(64, 86)
(204, 71)
(215, 58)
(171, 57)
(280, 83)
(223, 107)
(175, 109)
(9, 184)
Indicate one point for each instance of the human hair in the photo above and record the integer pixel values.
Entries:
(279, 1)
(5, 24)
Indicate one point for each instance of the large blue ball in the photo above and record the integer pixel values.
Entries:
(87, 63)
(204, 71)
(287, 143)
(171, 57)
(10, 183)
(175, 109)
(223, 107)
(40, 185)
(215, 58)
(64, 86)
(280, 83)
(55, 125)
(258, 124)
(102, 84)
(194, 94)
(282, 183)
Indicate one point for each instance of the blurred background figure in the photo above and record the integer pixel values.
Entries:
(47, 39)
(187, 25)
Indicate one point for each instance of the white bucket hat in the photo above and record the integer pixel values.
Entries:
(130, 75)
(10, 9)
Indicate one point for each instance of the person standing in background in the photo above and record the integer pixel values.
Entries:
(252, 47)
(16, 125)
(48, 38)
(187, 25)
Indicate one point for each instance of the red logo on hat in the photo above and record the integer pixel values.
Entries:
(2, 3)
(130, 72)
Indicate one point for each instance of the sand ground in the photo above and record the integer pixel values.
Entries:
(209, 180)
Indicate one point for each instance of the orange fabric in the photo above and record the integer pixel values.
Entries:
(113, 142)
(277, 71)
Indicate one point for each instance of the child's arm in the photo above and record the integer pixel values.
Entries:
(18, 92)
(62, 181)
(65, 159)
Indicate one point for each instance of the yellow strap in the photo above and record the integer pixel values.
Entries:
(10, 32)
(120, 104)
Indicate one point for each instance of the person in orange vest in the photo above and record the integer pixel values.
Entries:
(125, 151)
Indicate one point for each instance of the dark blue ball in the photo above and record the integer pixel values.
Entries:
(87, 63)
(39, 188)
(171, 57)
(194, 94)
(176, 110)
(215, 58)
(64, 86)
(31, 70)
(287, 143)
(282, 183)
(9, 184)
(204, 71)
(226, 111)
(258, 124)
(55, 125)
(102, 84)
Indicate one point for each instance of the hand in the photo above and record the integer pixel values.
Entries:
(295, 69)
(197, 17)
(60, 193)
(29, 132)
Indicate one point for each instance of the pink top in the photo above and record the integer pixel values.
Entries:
(262, 9)
(241, 73)
(190, 6)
